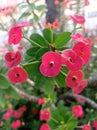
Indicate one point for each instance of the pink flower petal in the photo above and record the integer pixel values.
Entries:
(71, 59)
(12, 59)
(15, 35)
(73, 78)
(17, 75)
(51, 64)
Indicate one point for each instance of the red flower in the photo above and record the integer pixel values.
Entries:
(17, 75)
(45, 115)
(41, 101)
(73, 78)
(77, 111)
(78, 19)
(15, 35)
(80, 87)
(86, 127)
(16, 124)
(35, 111)
(51, 64)
(83, 51)
(12, 59)
(44, 127)
(71, 59)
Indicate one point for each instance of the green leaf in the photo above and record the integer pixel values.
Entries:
(32, 6)
(32, 69)
(32, 51)
(49, 35)
(40, 7)
(23, 6)
(62, 39)
(28, 58)
(25, 14)
(4, 83)
(71, 124)
(38, 40)
(36, 18)
(12, 93)
(2, 100)
(40, 52)
(60, 78)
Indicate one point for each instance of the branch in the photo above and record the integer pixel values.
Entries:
(25, 95)
(87, 100)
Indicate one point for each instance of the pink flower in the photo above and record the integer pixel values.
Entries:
(71, 59)
(78, 19)
(44, 127)
(87, 2)
(48, 25)
(55, 24)
(51, 64)
(94, 124)
(23, 24)
(80, 100)
(82, 51)
(45, 115)
(8, 114)
(41, 101)
(77, 111)
(12, 59)
(73, 78)
(19, 112)
(56, 2)
(17, 75)
(87, 41)
(20, 48)
(66, 2)
(3, 49)
(77, 37)
(86, 127)
(15, 35)
(80, 87)
(16, 124)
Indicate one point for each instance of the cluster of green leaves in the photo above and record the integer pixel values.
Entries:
(40, 44)
(62, 118)
(28, 11)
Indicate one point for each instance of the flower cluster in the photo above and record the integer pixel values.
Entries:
(16, 74)
(73, 59)
(16, 114)
(45, 116)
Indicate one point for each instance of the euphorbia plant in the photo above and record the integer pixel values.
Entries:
(51, 65)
